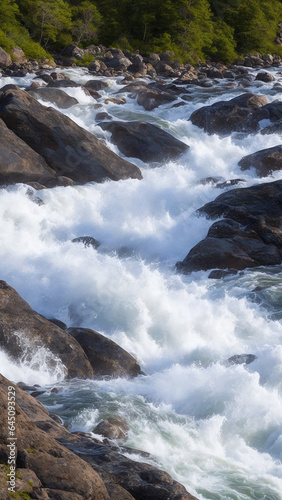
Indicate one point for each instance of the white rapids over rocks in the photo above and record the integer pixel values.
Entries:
(215, 427)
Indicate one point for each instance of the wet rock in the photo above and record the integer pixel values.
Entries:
(240, 114)
(87, 241)
(274, 128)
(23, 332)
(249, 235)
(113, 428)
(115, 100)
(68, 149)
(229, 183)
(35, 394)
(95, 84)
(218, 274)
(55, 96)
(103, 116)
(41, 459)
(265, 76)
(63, 83)
(19, 162)
(106, 357)
(145, 141)
(265, 161)
(151, 99)
(242, 359)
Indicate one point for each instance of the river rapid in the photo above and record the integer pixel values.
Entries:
(215, 427)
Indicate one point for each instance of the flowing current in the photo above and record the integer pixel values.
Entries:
(215, 427)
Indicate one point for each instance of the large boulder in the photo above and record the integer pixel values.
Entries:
(66, 147)
(265, 161)
(152, 98)
(249, 235)
(144, 141)
(5, 59)
(106, 357)
(240, 114)
(23, 332)
(45, 468)
(19, 162)
(55, 96)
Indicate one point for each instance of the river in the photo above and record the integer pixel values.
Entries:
(215, 427)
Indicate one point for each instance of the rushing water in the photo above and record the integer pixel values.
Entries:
(215, 427)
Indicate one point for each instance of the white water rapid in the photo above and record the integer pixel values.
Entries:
(215, 427)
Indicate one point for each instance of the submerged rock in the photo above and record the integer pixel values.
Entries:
(249, 235)
(23, 332)
(67, 148)
(241, 359)
(145, 141)
(106, 357)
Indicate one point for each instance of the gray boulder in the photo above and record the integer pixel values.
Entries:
(55, 96)
(66, 147)
(145, 141)
(265, 161)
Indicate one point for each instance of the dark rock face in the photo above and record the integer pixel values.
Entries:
(5, 59)
(106, 357)
(265, 76)
(23, 331)
(151, 99)
(19, 162)
(56, 96)
(67, 148)
(144, 141)
(241, 114)
(250, 234)
(265, 161)
(87, 241)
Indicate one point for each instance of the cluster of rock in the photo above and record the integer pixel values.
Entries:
(53, 463)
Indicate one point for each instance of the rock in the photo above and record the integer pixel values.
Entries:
(73, 50)
(19, 162)
(56, 96)
(103, 116)
(265, 76)
(65, 465)
(271, 111)
(274, 128)
(145, 141)
(42, 461)
(240, 114)
(106, 357)
(63, 83)
(241, 359)
(265, 161)
(67, 148)
(113, 428)
(117, 63)
(250, 234)
(94, 67)
(95, 84)
(231, 182)
(151, 99)
(5, 59)
(87, 241)
(23, 332)
(19, 55)
(115, 100)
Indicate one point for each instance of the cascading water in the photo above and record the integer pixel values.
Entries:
(214, 426)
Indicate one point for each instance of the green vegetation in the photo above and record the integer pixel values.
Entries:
(195, 30)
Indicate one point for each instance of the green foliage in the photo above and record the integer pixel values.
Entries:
(87, 20)
(85, 61)
(193, 29)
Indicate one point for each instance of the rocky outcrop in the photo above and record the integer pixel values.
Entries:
(67, 148)
(106, 357)
(241, 114)
(23, 332)
(19, 162)
(265, 162)
(5, 59)
(144, 140)
(53, 95)
(249, 235)
(52, 463)
(152, 98)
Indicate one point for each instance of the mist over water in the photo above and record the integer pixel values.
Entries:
(215, 427)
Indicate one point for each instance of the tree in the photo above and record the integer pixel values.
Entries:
(46, 18)
(87, 20)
